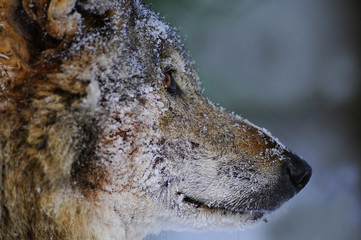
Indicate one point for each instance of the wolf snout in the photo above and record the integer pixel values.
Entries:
(298, 170)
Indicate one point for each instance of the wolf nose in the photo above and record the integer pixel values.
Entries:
(298, 170)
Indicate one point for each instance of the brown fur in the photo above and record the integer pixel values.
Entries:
(36, 102)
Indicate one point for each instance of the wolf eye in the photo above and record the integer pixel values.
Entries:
(169, 84)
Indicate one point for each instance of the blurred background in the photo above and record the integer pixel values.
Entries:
(293, 67)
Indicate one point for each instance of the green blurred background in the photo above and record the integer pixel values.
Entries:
(292, 67)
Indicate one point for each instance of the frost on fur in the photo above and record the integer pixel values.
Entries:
(106, 134)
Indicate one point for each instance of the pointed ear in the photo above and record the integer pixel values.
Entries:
(56, 17)
(13, 48)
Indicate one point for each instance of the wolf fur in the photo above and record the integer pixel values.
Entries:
(105, 132)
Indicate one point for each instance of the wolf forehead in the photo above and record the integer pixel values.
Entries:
(141, 52)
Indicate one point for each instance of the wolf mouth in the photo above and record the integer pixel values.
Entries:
(256, 214)
(195, 203)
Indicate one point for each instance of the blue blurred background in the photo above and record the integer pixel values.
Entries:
(293, 67)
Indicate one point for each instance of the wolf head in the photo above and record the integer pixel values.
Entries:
(116, 112)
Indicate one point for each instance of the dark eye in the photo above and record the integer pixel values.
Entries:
(169, 84)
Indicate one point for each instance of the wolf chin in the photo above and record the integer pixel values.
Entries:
(105, 132)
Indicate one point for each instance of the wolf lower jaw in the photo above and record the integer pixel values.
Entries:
(190, 214)
(254, 215)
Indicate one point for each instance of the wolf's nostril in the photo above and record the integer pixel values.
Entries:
(299, 171)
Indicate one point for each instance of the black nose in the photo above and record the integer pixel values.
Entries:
(298, 170)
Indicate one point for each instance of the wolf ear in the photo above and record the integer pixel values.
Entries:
(56, 17)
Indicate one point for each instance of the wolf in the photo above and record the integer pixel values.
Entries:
(105, 132)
